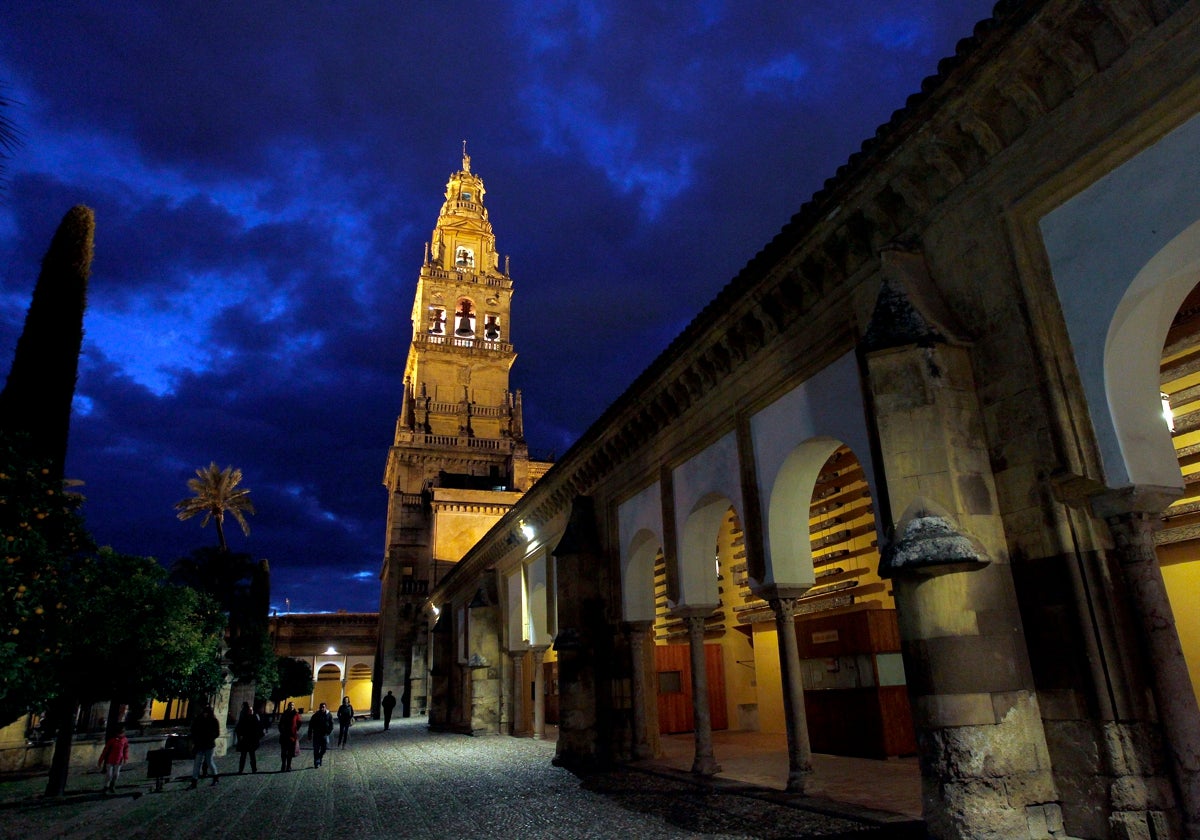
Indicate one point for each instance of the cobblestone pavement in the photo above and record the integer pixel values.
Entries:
(408, 782)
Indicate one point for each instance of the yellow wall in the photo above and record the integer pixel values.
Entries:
(770, 686)
(1183, 588)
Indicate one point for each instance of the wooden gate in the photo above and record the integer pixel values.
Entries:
(673, 669)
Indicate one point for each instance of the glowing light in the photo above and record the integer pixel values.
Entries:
(1166, 410)
(330, 651)
(528, 531)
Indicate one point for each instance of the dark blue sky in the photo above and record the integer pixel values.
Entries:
(265, 175)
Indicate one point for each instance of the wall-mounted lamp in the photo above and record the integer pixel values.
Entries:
(1166, 410)
(528, 531)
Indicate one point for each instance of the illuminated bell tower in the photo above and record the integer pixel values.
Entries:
(458, 460)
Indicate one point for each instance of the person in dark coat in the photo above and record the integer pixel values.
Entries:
(320, 727)
(389, 705)
(249, 730)
(206, 729)
(289, 734)
(345, 717)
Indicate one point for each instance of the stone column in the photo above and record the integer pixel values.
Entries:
(639, 632)
(799, 749)
(1133, 517)
(704, 764)
(518, 692)
(539, 692)
(985, 765)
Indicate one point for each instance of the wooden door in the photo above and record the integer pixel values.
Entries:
(673, 671)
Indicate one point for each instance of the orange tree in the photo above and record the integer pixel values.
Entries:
(81, 625)
(45, 546)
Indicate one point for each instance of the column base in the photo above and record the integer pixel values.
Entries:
(797, 780)
(705, 765)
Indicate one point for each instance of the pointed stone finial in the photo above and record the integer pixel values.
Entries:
(466, 158)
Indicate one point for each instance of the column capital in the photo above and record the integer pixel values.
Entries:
(775, 591)
(1135, 499)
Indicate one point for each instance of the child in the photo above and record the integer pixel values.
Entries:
(115, 753)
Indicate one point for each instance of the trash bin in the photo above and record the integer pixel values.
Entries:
(158, 767)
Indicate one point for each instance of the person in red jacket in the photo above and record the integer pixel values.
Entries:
(112, 757)
(289, 735)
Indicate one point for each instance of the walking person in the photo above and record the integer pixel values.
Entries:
(345, 717)
(112, 757)
(320, 727)
(249, 731)
(206, 729)
(389, 705)
(289, 735)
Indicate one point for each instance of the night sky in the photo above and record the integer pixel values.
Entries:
(265, 175)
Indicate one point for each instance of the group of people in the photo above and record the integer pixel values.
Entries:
(249, 730)
(320, 727)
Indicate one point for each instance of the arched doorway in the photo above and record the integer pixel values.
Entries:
(328, 687)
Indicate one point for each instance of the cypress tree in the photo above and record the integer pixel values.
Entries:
(36, 400)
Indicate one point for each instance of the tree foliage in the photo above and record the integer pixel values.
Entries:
(45, 550)
(295, 679)
(241, 587)
(216, 492)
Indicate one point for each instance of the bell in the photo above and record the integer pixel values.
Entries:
(491, 329)
(464, 327)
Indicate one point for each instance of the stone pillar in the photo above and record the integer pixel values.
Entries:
(539, 692)
(518, 692)
(704, 764)
(985, 766)
(643, 694)
(799, 749)
(1133, 516)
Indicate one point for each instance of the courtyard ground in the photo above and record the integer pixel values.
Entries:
(409, 782)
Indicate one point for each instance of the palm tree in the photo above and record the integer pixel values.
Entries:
(217, 493)
(10, 135)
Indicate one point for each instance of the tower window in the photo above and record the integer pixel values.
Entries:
(466, 196)
(491, 328)
(464, 319)
(464, 257)
(437, 320)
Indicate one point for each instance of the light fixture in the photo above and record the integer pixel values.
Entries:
(528, 531)
(436, 610)
(330, 651)
(1166, 410)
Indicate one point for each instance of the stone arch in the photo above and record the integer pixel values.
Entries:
(1133, 353)
(1120, 254)
(537, 598)
(640, 530)
(705, 488)
(696, 562)
(788, 436)
(788, 560)
(637, 576)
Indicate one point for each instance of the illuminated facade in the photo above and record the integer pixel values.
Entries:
(938, 390)
(458, 461)
(340, 650)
